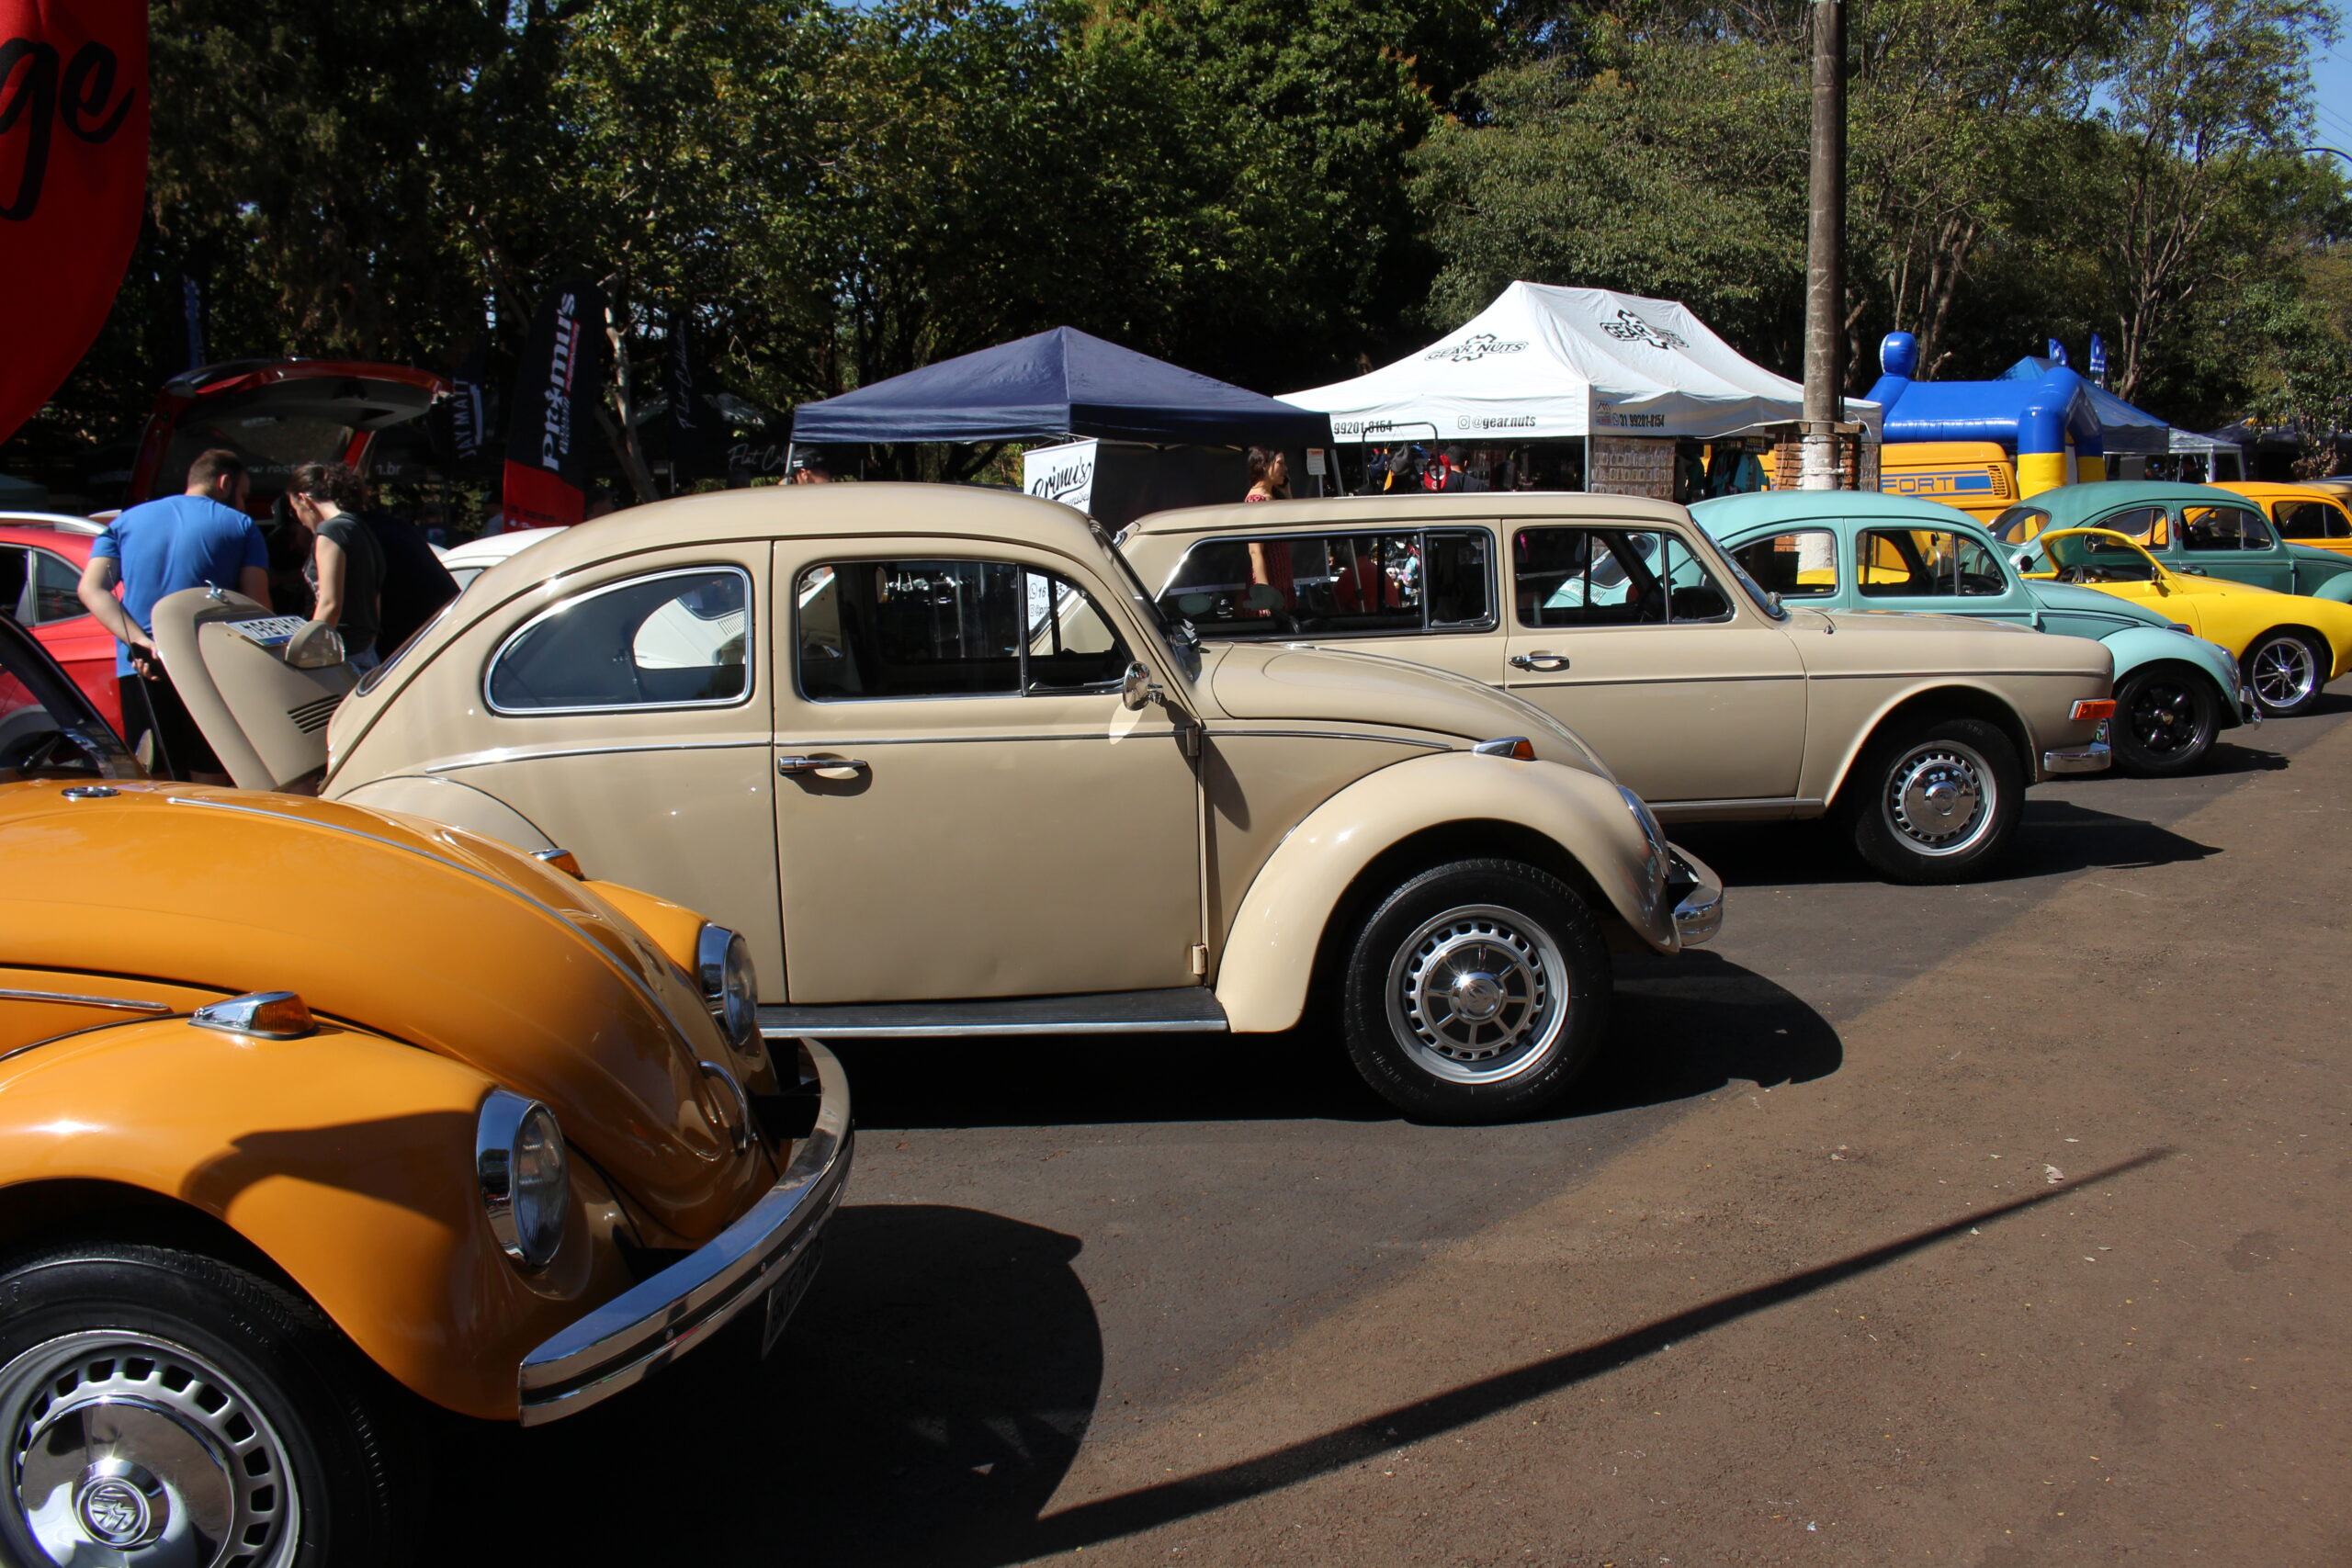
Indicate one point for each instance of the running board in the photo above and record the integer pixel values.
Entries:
(1182, 1009)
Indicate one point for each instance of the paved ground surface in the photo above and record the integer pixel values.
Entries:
(1988, 1225)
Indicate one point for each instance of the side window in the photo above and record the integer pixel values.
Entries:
(16, 583)
(1333, 584)
(2020, 523)
(675, 640)
(2144, 525)
(1924, 562)
(2210, 528)
(1610, 577)
(2309, 520)
(1798, 565)
(55, 590)
(876, 629)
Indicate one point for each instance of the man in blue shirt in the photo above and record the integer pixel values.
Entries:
(156, 549)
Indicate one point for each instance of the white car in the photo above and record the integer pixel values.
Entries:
(470, 559)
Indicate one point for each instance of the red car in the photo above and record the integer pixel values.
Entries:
(276, 414)
(42, 558)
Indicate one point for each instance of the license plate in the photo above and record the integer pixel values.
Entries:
(784, 1296)
(269, 631)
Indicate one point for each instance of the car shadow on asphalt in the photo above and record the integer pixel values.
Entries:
(932, 1389)
(2053, 837)
(1680, 1028)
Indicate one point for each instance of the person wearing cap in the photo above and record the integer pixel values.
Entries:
(201, 539)
(811, 469)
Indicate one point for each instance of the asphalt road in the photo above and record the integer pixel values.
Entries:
(1056, 1244)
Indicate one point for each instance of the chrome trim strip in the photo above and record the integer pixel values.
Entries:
(751, 665)
(828, 742)
(1943, 674)
(653, 1324)
(1652, 680)
(549, 910)
(517, 754)
(1332, 735)
(119, 1004)
(979, 1031)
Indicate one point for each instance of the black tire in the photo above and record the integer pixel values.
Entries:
(2166, 720)
(280, 1438)
(1894, 801)
(2287, 669)
(1513, 937)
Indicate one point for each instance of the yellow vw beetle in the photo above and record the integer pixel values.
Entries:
(2290, 645)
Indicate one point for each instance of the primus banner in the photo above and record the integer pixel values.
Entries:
(72, 182)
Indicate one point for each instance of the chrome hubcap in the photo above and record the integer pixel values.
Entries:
(1477, 994)
(127, 1450)
(1940, 798)
(2284, 672)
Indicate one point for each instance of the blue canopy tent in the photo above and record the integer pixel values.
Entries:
(1056, 384)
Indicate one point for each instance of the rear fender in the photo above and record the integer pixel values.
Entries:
(1974, 701)
(347, 1158)
(2337, 589)
(446, 800)
(1270, 953)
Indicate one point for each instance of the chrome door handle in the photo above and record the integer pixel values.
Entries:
(1546, 663)
(824, 767)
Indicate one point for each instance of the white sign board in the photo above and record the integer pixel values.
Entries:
(1064, 473)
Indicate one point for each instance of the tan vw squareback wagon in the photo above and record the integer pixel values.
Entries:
(934, 752)
(1620, 618)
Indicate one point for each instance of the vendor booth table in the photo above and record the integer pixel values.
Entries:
(1586, 389)
(1136, 434)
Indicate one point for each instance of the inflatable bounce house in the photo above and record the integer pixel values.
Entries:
(1982, 446)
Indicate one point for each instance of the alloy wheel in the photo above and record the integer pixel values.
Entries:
(2283, 671)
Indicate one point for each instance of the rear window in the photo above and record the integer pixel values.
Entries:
(2020, 523)
(1388, 582)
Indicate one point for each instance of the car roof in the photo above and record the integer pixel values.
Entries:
(2122, 493)
(2263, 488)
(1734, 514)
(495, 547)
(18, 529)
(1416, 510)
(803, 512)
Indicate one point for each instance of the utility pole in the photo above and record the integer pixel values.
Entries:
(1825, 269)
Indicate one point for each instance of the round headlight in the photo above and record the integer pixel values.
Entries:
(730, 985)
(525, 1184)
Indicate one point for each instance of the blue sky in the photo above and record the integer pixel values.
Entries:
(2332, 91)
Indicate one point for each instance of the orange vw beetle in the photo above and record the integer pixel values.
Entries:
(308, 1113)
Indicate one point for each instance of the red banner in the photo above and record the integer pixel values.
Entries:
(73, 180)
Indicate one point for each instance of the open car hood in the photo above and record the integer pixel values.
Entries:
(276, 414)
(265, 715)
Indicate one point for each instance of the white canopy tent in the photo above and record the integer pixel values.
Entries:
(1545, 363)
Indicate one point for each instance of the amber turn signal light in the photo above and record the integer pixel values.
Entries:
(2094, 707)
(1516, 747)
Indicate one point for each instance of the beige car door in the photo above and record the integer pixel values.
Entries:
(965, 807)
(1630, 638)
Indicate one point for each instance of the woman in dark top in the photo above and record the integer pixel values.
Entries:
(346, 568)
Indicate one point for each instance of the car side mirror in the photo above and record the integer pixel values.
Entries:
(2023, 561)
(1138, 688)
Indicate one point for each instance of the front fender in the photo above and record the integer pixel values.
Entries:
(440, 800)
(1269, 953)
(2135, 647)
(346, 1157)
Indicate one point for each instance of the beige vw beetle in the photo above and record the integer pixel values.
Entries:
(934, 752)
(1620, 617)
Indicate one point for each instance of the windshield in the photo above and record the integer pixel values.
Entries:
(2089, 556)
(1176, 631)
(2020, 523)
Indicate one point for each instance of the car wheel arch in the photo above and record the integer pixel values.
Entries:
(1571, 823)
(1936, 702)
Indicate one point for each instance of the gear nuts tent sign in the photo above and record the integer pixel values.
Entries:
(72, 182)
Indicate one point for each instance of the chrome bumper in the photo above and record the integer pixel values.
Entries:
(654, 1323)
(2094, 758)
(2249, 708)
(1698, 913)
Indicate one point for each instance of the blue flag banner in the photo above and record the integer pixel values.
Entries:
(2057, 352)
(2098, 359)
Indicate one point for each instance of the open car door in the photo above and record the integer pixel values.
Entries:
(261, 686)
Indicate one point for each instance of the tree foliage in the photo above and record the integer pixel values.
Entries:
(1274, 193)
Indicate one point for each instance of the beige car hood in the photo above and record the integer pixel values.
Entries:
(1324, 686)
